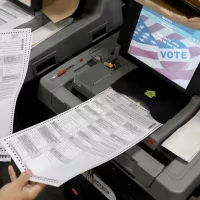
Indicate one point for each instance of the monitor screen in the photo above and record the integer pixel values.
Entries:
(169, 48)
(26, 2)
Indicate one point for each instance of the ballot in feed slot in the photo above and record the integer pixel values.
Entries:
(81, 136)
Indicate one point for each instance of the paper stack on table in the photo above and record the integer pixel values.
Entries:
(185, 142)
(15, 47)
(11, 16)
(80, 139)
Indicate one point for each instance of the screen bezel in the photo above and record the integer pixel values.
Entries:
(35, 5)
(125, 38)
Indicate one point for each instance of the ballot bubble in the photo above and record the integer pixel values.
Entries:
(174, 56)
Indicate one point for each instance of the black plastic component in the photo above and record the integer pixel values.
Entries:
(36, 4)
(91, 63)
(196, 192)
(85, 190)
(99, 32)
(193, 6)
(80, 9)
(163, 155)
(46, 65)
(168, 101)
(121, 183)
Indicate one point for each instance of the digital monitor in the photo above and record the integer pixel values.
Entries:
(167, 48)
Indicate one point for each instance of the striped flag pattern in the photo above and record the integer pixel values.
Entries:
(149, 42)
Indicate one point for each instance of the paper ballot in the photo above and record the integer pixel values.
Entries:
(185, 142)
(15, 46)
(80, 139)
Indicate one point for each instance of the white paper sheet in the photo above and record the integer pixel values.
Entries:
(5, 158)
(185, 142)
(15, 46)
(48, 30)
(81, 138)
(11, 16)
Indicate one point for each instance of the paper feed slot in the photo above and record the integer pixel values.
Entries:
(140, 165)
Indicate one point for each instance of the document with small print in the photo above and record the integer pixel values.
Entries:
(11, 16)
(80, 139)
(15, 46)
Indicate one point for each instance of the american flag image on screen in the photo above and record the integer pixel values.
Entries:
(166, 51)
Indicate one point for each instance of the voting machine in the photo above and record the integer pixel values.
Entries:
(92, 21)
(156, 63)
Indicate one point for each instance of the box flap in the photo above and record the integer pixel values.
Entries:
(57, 10)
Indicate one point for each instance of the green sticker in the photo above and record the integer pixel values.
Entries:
(150, 94)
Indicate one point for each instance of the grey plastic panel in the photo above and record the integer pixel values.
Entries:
(39, 20)
(105, 14)
(45, 89)
(68, 100)
(141, 165)
(173, 124)
(178, 180)
(93, 75)
(48, 89)
(174, 182)
(102, 78)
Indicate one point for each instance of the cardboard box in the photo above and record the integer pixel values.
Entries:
(57, 10)
(175, 11)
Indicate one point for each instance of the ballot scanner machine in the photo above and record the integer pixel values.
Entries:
(92, 21)
(146, 71)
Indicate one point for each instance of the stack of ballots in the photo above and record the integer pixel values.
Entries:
(15, 52)
(14, 59)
